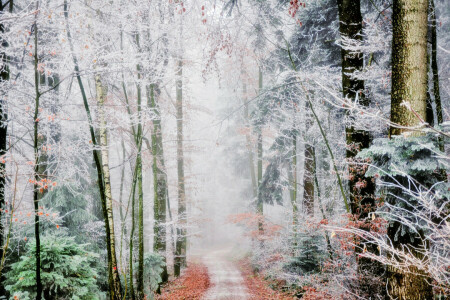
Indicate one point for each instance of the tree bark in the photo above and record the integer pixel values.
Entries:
(114, 289)
(133, 228)
(138, 140)
(37, 189)
(159, 180)
(249, 143)
(132, 195)
(409, 64)
(361, 188)
(294, 191)
(434, 65)
(409, 84)
(308, 181)
(180, 252)
(101, 95)
(260, 202)
(4, 77)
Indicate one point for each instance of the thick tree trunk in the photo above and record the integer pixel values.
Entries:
(409, 84)
(159, 180)
(361, 188)
(180, 252)
(101, 94)
(409, 64)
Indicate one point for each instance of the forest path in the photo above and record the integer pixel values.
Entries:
(226, 279)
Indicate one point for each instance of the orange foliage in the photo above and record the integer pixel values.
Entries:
(191, 286)
(258, 286)
(252, 222)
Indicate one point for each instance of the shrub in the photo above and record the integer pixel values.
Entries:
(66, 271)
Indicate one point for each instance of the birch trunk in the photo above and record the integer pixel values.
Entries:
(101, 94)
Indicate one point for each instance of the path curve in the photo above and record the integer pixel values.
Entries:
(227, 282)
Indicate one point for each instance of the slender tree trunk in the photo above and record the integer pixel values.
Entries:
(140, 283)
(4, 77)
(133, 228)
(308, 181)
(308, 177)
(319, 198)
(294, 191)
(435, 72)
(260, 203)
(37, 189)
(138, 141)
(113, 276)
(132, 195)
(159, 180)
(101, 95)
(122, 216)
(409, 84)
(434, 65)
(180, 253)
(249, 143)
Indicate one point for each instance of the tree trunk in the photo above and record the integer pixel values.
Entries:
(132, 195)
(434, 65)
(249, 143)
(180, 252)
(115, 290)
(260, 203)
(4, 77)
(435, 72)
(132, 230)
(409, 84)
(409, 64)
(159, 180)
(101, 94)
(138, 140)
(294, 191)
(308, 181)
(37, 189)
(361, 188)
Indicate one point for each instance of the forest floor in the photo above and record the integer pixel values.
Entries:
(226, 278)
(217, 275)
(192, 285)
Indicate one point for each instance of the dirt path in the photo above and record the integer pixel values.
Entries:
(226, 279)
